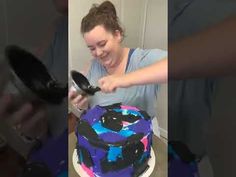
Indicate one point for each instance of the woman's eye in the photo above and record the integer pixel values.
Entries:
(92, 49)
(102, 44)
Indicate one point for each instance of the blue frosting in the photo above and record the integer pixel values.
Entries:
(126, 132)
(114, 153)
(100, 130)
(81, 157)
(129, 112)
(145, 155)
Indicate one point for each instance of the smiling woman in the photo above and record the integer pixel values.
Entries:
(105, 46)
(103, 35)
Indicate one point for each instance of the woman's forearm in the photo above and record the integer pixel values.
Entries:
(155, 73)
(208, 53)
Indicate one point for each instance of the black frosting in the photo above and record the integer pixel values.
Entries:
(140, 168)
(145, 114)
(84, 129)
(87, 160)
(112, 121)
(113, 106)
(131, 153)
(130, 118)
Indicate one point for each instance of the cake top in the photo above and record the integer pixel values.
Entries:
(115, 124)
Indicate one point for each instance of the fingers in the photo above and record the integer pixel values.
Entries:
(101, 81)
(4, 77)
(78, 99)
(72, 93)
(80, 102)
(107, 85)
(25, 118)
(36, 126)
(21, 115)
(5, 102)
(29, 122)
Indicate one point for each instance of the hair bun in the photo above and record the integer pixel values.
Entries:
(108, 8)
(103, 14)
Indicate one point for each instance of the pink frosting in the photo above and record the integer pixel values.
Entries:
(144, 140)
(87, 170)
(129, 107)
(125, 123)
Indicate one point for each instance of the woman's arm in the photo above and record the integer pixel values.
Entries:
(209, 53)
(155, 73)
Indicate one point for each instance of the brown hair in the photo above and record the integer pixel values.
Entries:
(103, 14)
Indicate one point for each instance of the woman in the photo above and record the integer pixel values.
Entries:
(103, 35)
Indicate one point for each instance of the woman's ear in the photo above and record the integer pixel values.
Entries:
(118, 35)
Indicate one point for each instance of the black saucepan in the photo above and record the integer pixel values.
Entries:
(80, 82)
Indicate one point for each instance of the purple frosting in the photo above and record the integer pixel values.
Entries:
(123, 136)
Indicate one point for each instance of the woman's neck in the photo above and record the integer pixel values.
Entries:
(121, 62)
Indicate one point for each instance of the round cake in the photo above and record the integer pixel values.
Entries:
(114, 141)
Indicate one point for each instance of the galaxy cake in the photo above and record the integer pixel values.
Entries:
(114, 141)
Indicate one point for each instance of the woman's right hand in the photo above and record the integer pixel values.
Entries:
(80, 102)
(110, 83)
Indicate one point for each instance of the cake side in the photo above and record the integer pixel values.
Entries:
(114, 140)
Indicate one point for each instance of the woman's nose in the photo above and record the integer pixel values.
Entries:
(98, 52)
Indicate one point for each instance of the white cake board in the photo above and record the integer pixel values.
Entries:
(82, 173)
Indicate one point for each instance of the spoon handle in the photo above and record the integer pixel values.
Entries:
(96, 89)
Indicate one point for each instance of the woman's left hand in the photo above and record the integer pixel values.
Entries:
(28, 119)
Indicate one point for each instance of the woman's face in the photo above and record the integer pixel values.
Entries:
(104, 45)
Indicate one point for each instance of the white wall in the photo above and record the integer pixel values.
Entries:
(156, 30)
(155, 36)
(145, 23)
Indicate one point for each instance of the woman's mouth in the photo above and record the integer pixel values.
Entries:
(104, 58)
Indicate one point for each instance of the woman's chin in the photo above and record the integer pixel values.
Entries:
(106, 63)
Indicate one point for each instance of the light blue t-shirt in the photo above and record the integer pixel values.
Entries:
(142, 96)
